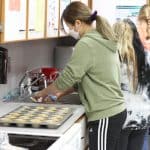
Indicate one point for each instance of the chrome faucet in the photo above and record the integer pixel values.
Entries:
(25, 84)
(22, 84)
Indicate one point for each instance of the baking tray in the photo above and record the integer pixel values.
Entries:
(37, 116)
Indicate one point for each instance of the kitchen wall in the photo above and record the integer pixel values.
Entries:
(27, 55)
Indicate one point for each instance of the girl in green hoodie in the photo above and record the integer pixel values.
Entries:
(94, 69)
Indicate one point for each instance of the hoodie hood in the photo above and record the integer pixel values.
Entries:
(96, 36)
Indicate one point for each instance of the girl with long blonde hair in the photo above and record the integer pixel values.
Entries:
(133, 74)
(124, 37)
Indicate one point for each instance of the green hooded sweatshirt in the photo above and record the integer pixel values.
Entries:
(95, 68)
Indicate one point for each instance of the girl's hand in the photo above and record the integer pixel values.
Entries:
(40, 97)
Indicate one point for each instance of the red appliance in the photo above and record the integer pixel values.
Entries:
(50, 73)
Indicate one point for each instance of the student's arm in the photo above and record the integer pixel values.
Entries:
(53, 91)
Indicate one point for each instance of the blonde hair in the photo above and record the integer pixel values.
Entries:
(79, 11)
(144, 15)
(124, 37)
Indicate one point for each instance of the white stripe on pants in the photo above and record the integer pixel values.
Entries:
(102, 134)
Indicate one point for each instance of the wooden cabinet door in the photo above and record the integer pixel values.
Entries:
(36, 19)
(52, 21)
(74, 0)
(31, 19)
(14, 20)
(85, 2)
(1, 16)
(63, 4)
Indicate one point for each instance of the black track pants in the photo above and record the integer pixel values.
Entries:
(104, 133)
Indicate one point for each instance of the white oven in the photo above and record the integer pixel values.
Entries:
(70, 134)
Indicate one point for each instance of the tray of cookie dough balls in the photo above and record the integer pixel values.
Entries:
(37, 116)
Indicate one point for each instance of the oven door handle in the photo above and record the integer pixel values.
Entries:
(28, 144)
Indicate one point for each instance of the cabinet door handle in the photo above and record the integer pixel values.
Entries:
(21, 30)
(31, 29)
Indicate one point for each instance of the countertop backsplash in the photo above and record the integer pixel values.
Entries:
(28, 55)
(24, 56)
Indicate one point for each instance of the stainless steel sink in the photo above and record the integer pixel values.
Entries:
(68, 99)
(71, 99)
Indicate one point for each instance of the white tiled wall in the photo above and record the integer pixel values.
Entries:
(24, 56)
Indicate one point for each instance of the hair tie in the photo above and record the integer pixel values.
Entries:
(93, 16)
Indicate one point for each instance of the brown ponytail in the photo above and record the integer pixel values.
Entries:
(104, 28)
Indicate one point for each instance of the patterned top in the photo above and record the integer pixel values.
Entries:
(138, 104)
